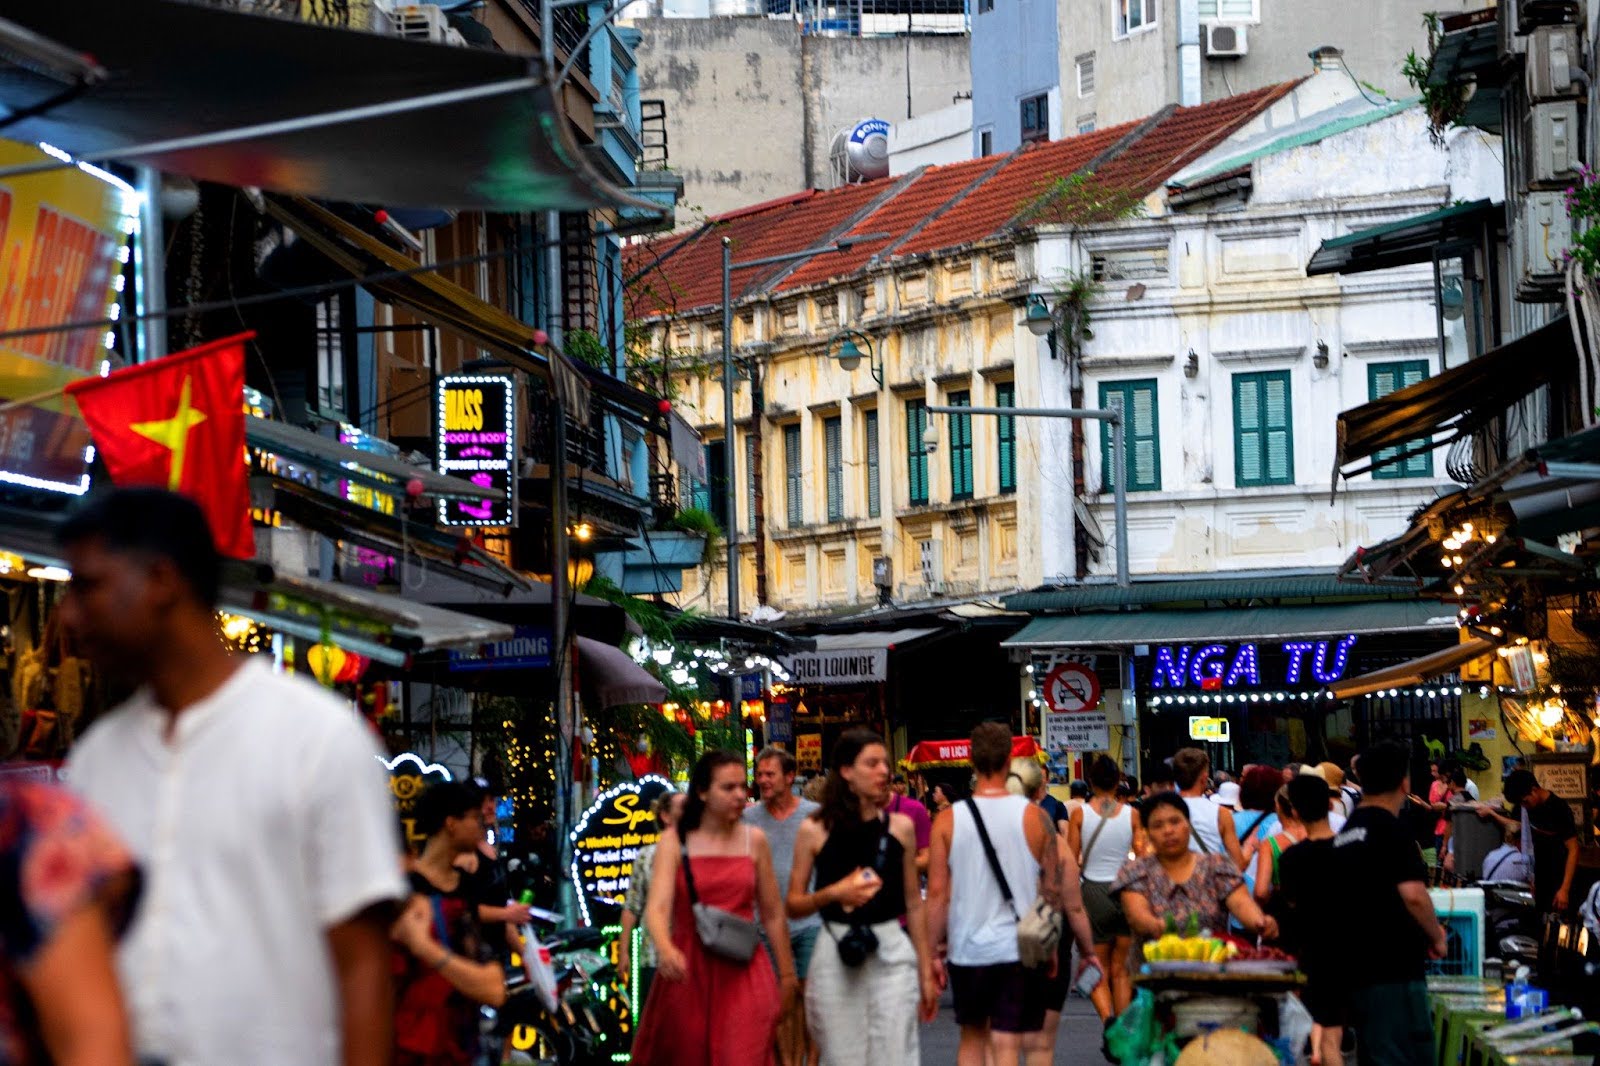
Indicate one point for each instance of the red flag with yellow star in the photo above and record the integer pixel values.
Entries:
(178, 423)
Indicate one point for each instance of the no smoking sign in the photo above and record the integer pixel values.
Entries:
(1071, 687)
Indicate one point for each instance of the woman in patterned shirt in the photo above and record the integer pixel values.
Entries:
(667, 807)
(1176, 885)
(65, 889)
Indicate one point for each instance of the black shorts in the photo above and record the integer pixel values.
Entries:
(1326, 999)
(1004, 997)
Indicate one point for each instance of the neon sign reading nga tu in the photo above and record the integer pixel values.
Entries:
(1177, 666)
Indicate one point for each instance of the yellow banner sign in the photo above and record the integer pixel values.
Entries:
(1215, 730)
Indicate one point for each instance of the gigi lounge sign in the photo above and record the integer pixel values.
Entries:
(1218, 666)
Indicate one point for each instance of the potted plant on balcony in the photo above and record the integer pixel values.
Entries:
(687, 539)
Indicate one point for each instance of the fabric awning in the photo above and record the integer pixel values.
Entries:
(612, 679)
(1260, 623)
(381, 472)
(1458, 402)
(384, 628)
(934, 754)
(1415, 671)
(1412, 240)
(849, 658)
(276, 103)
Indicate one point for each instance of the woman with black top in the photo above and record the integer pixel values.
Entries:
(872, 966)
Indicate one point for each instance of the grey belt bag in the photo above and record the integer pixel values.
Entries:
(721, 932)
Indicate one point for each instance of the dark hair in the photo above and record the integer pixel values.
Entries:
(1160, 774)
(445, 799)
(1257, 788)
(1385, 766)
(694, 808)
(991, 747)
(1129, 787)
(1157, 800)
(786, 763)
(1103, 774)
(1458, 777)
(839, 805)
(898, 779)
(1519, 784)
(1189, 765)
(1078, 790)
(153, 523)
(1308, 796)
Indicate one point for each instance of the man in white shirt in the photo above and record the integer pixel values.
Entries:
(254, 803)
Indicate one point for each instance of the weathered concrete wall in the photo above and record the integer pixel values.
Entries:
(752, 105)
(931, 139)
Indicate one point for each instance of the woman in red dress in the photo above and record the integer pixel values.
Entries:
(706, 1010)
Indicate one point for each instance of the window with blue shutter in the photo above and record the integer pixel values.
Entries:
(1263, 429)
(961, 448)
(1382, 379)
(793, 477)
(1005, 395)
(1141, 434)
(916, 452)
(833, 465)
(869, 429)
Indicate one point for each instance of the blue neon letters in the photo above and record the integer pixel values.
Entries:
(1178, 666)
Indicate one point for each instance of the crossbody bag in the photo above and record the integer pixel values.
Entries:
(1038, 931)
(859, 941)
(721, 932)
(1083, 860)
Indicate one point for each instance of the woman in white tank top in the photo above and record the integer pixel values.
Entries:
(1102, 833)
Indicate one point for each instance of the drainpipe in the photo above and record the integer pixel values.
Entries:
(1189, 91)
(150, 263)
(758, 493)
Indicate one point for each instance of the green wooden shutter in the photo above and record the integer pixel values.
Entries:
(794, 478)
(1142, 434)
(1382, 379)
(870, 430)
(916, 452)
(1263, 429)
(700, 490)
(961, 448)
(1005, 395)
(833, 460)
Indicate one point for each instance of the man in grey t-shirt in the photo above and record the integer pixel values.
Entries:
(779, 815)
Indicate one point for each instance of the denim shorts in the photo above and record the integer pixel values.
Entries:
(801, 945)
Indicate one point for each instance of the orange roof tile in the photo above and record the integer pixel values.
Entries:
(942, 207)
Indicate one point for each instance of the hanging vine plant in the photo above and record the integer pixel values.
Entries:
(1444, 104)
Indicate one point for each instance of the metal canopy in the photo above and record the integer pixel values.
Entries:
(381, 472)
(249, 100)
(1259, 623)
(1415, 671)
(1194, 591)
(1409, 241)
(1459, 401)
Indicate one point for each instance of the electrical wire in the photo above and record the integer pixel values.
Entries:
(1362, 89)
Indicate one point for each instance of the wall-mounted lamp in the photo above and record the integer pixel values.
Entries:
(1039, 319)
(1191, 365)
(1320, 360)
(842, 346)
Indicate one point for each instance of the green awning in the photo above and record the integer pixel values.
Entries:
(1258, 623)
(1468, 54)
(1197, 592)
(1408, 241)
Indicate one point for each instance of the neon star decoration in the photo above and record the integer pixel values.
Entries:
(173, 433)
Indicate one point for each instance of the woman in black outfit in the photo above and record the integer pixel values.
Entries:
(871, 966)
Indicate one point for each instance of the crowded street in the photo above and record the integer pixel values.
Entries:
(800, 533)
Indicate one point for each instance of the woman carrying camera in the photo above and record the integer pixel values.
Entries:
(869, 972)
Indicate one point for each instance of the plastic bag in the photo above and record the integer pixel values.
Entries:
(1132, 1035)
(1294, 1029)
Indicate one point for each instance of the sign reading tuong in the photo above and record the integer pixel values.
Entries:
(528, 649)
(477, 442)
(846, 666)
(608, 837)
(1213, 666)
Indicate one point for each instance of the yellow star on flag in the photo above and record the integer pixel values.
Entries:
(173, 433)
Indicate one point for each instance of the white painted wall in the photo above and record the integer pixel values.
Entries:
(932, 139)
(1235, 292)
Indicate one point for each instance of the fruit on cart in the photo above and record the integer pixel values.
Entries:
(1175, 948)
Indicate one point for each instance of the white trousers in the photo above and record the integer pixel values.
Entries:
(864, 1015)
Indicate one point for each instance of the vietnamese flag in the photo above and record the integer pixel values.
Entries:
(178, 423)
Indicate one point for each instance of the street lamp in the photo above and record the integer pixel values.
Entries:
(730, 453)
(1112, 417)
(1040, 321)
(849, 354)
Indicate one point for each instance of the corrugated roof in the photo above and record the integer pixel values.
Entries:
(1197, 591)
(941, 207)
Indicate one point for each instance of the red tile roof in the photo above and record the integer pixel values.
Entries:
(941, 207)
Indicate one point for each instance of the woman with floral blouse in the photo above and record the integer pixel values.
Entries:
(1176, 885)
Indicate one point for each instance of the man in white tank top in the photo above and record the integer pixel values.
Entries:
(1212, 824)
(969, 921)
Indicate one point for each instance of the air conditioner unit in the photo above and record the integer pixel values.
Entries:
(1531, 13)
(1227, 40)
(1553, 58)
(1551, 144)
(425, 22)
(931, 557)
(1542, 233)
